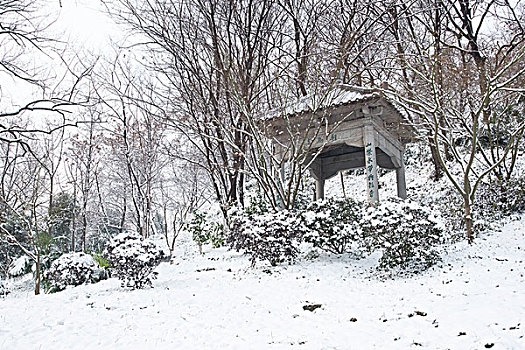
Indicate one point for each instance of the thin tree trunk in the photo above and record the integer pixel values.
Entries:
(37, 274)
(123, 218)
(438, 168)
(342, 183)
(468, 219)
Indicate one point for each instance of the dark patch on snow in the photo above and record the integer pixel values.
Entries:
(311, 307)
(206, 269)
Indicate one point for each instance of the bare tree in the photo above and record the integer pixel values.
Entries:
(463, 80)
(135, 133)
(182, 192)
(24, 218)
(212, 76)
(83, 167)
(24, 44)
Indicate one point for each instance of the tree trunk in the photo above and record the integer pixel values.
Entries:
(342, 183)
(123, 218)
(171, 257)
(300, 58)
(84, 227)
(468, 219)
(37, 275)
(438, 168)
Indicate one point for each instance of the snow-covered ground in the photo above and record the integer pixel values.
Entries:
(476, 298)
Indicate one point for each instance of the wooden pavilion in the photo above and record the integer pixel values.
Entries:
(347, 128)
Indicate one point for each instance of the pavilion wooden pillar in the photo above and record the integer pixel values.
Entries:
(319, 188)
(316, 170)
(371, 163)
(401, 183)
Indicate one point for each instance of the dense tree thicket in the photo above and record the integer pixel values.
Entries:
(178, 117)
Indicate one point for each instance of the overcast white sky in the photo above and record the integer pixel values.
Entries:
(85, 24)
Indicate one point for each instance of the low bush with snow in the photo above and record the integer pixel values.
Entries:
(493, 203)
(498, 199)
(333, 225)
(408, 234)
(271, 236)
(72, 269)
(133, 259)
(3, 288)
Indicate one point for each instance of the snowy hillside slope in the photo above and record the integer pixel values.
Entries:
(475, 299)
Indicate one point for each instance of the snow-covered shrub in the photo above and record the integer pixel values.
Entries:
(303, 197)
(20, 266)
(72, 269)
(449, 204)
(272, 236)
(333, 225)
(3, 289)
(408, 234)
(133, 259)
(497, 199)
(493, 202)
(258, 205)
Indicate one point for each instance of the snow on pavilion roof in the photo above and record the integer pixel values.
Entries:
(339, 96)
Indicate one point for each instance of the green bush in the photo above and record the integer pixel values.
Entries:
(497, 199)
(205, 231)
(100, 260)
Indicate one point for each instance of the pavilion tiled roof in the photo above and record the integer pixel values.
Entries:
(338, 96)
